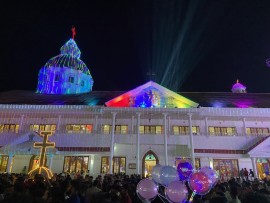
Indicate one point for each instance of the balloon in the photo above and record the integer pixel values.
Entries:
(176, 192)
(211, 173)
(184, 170)
(147, 190)
(156, 173)
(199, 183)
(167, 175)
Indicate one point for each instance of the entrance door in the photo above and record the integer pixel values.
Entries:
(149, 160)
(34, 162)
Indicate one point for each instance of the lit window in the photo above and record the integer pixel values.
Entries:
(75, 164)
(151, 129)
(257, 131)
(56, 77)
(222, 131)
(121, 129)
(78, 128)
(43, 127)
(71, 79)
(9, 128)
(184, 130)
(106, 129)
(119, 165)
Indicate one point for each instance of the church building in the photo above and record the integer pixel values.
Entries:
(101, 132)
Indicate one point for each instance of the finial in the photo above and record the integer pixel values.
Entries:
(73, 30)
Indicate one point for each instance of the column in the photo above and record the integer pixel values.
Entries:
(132, 125)
(112, 142)
(9, 164)
(165, 139)
(138, 144)
(244, 126)
(254, 166)
(91, 167)
(96, 124)
(191, 139)
(206, 126)
(58, 122)
(21, 123)
(50, 156)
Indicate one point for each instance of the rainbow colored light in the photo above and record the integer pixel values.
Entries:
(151, 95)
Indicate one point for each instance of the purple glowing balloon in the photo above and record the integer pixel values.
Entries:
(211, 173)
(184, 170)
(176, 192)
(147, 190)
(167, 175)
(199, 183)
(156, 173)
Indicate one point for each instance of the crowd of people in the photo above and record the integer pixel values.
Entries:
(63, 188)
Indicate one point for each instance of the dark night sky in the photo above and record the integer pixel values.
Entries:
(190, 45)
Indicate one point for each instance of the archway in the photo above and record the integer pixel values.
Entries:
(150, 159)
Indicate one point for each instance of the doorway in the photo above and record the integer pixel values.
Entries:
(149, 160)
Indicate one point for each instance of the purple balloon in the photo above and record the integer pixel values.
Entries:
(211, 173)
(156, 173)
(167, 175)
(147, 190)
(176, 192)
(184, 170)
(199, 183)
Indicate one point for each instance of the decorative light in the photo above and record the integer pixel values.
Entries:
(43, 145)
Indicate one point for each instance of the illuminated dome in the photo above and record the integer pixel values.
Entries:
(65, 73)
(238, 88)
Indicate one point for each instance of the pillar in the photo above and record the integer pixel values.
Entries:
(191, 139)
(206, 126)
(138, 144)
(96, 124)
(244, 126)
(58, 122)
(91, 166)
(21, 123)
(9, 164)
(254, 166)
(50, 156)
(112, 142)
(165, 139)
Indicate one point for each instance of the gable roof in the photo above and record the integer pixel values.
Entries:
(180, 101)
(261, 148)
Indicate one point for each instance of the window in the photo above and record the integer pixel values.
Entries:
(222, 131)
(43, 127)
(71, 79)
(56, 78)
(226, 168)
(119, 165)
(106, 129)
(257, 131)
(3, 163)
(121, 129)
(78, 128)
(151, 129)
(184, 130)
(9, 128)
(75, 164)
(82, 83)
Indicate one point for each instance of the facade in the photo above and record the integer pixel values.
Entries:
(130, 132)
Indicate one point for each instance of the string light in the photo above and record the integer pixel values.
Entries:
(65, 73)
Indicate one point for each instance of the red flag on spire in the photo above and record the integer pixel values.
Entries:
(73, 30)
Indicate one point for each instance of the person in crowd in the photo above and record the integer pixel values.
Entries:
(251, 174)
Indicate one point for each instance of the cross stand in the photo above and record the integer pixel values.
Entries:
(42, 157)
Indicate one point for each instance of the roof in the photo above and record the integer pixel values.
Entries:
(204, 99)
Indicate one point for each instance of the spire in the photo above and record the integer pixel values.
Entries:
(71, 48)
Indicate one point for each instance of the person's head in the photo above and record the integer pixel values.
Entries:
(255, 197)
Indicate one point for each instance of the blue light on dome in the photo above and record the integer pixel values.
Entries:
(65, 73)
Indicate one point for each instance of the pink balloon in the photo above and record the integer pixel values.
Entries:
(156, 173)
(199, 183)
(176, 192)
(211, 173)
(147, 189)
